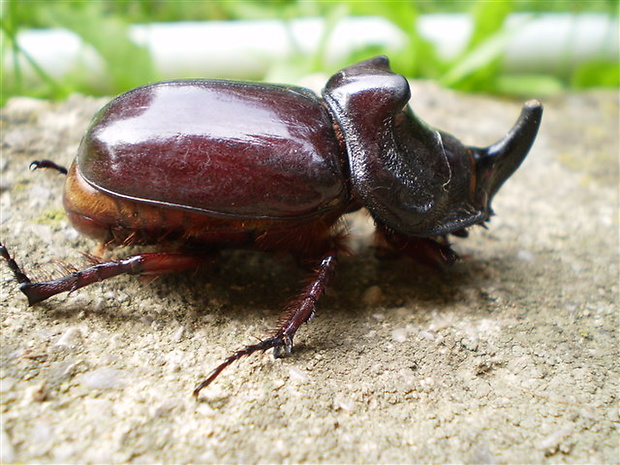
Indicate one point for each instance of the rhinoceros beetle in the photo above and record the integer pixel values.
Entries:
(199, 165)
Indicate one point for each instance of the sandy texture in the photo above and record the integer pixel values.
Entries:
(512, 356)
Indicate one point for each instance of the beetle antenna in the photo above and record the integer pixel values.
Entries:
(48, 164)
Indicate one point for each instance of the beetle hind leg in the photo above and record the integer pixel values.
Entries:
(154, 263)
(19, 275)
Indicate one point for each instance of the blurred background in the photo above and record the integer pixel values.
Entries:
(535, 48)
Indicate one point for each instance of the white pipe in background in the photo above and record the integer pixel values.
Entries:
(244, 49)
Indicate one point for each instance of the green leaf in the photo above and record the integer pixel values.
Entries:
(482, 62)
(128, 64)
(529, 85)
(488, 19)
(597, 74)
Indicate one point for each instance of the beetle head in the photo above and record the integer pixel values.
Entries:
(414, 179)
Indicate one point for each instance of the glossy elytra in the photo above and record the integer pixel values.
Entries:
(195, 166)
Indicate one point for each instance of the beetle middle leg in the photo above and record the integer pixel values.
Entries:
(152, 263)
(298, 312)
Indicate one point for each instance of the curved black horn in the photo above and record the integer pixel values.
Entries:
(495, 164)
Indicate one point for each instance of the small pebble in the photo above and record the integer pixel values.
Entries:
(344, 404)
(372, 296)
(400, 334)
(554, 442)
(36, 393)
(7, 452)
(104, 378)
(178, 334)
(525, 256)
(6, 384)
(165, 407)
(295, 374)
(70, 338)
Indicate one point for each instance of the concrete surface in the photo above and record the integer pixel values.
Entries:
(510, 357)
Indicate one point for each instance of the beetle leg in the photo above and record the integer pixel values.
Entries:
(300, 311)
(48, 164)
(435, 252)
(141, 264)
(20, 276)
(303, 309)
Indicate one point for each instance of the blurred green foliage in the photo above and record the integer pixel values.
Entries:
(104, 25)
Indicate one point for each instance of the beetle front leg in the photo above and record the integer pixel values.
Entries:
(141, 264)
(434, 252)
(299, 311)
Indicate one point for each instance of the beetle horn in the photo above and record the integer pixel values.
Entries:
(495, 164)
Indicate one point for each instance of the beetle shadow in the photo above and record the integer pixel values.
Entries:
(402, 285)
(405, 281)
(228, 286)
(239, 285)
(252, 289)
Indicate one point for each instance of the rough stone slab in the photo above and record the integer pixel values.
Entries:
(511, 357)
